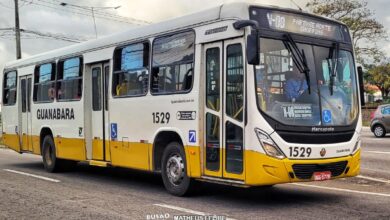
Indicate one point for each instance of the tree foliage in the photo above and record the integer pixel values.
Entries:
(379, 75)
(366, 31)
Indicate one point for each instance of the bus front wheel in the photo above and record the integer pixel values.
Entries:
(173, 170)
(51, 163)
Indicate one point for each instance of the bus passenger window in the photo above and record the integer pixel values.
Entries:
(173, 61)
(9, 90)
(70, 79)
(131, 70)
(44, 83)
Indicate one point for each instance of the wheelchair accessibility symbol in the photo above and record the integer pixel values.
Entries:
(114, 131)
(327, 116)
(192, 136)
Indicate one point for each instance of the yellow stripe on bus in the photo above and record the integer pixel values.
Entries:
(264, 170)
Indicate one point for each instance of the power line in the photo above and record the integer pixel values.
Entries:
(93, 12)
(87, 8)
(86, 12)
(56, 36)
(73, 12)
(296, 4)
(31, 34)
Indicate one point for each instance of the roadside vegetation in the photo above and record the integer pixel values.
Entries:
(366, 32)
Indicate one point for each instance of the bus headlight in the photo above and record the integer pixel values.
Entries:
(269, 146)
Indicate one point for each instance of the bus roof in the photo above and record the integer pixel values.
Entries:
(238, 10)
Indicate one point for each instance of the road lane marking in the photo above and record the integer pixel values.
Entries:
(377, 152)
(33, 175)
(374, 179)
(376, 170)
(342, 190)
(187, 210)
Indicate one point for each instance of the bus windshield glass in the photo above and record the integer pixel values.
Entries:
(283, 91)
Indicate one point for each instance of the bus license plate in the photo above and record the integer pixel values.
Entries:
(321, 176)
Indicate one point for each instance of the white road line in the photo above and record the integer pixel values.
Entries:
(187, 210)
(374, 179)
(377, 152)
(342, 190)
(376, 170)
(33, 175)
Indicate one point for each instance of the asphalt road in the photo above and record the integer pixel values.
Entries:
(111, 193)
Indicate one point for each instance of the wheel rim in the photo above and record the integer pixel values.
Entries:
(378, 131)
(48, 154)
(175, 169)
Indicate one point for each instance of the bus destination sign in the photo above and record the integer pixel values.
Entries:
(302, 25)
(296, 23)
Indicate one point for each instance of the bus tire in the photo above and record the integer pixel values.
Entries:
(51, 163)
(173, 171)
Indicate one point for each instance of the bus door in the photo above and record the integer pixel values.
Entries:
(224, 109)
(26, 125)
(100, 120)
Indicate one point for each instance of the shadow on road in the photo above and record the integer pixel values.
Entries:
(151, 183)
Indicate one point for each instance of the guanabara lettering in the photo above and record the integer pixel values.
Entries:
(55, 114)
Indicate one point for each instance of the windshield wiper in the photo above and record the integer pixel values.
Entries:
(299, 58)
(333, 55)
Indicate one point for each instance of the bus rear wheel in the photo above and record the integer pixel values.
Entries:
(51, 163)
(174, 171)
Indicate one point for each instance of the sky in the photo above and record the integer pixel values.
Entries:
(49, 16)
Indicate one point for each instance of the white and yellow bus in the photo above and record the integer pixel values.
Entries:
(238, 94)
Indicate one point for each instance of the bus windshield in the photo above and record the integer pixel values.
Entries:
(326, 96)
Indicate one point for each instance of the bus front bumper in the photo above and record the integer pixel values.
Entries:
(264, 170)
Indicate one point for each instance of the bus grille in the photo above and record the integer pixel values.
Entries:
(305, 171)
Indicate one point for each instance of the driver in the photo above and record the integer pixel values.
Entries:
(296, 85)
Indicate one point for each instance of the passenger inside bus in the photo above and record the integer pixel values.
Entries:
(121, 89)
(51, 93)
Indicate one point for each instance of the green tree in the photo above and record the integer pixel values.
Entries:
(379, 75)
(366, 31)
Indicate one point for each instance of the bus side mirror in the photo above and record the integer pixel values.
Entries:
(252, 49)
(361, 85)
(252, 43)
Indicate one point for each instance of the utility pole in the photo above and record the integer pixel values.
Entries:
(94, 21)
(17, 31)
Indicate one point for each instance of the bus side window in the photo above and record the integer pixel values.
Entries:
(234, 82)
(131, 70)
(173, 62)
(69, 79)
(213, 78)
(9, 89)
(44, 83)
